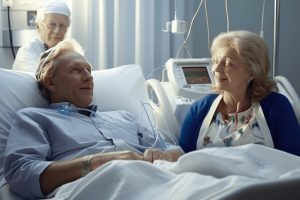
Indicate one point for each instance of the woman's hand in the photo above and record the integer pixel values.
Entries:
(151, 155)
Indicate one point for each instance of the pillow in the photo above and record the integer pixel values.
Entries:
(120, 88)
(18, 90)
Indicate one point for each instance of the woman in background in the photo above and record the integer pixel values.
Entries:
(52, 23)
(247, 108)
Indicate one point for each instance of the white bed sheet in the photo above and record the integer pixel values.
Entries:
(6, 193)
(206, 174)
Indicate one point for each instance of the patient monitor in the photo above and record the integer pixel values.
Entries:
(189, 80)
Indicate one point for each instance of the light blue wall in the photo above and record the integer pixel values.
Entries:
(289, 44)
(18, 18)
(246, 14)
(243, 14)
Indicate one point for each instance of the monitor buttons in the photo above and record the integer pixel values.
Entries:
(186, 86)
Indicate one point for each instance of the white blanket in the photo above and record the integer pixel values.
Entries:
(205, 174)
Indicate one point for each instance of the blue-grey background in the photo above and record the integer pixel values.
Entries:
(243, 14)
(247, 14)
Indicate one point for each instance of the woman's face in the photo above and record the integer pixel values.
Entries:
(52, 29)
(229, 71)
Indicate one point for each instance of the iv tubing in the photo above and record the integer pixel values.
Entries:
(187, 37)
(72, 108)
(226, 7)
(154, 130)
(186, 47)
(208, 32)
(163, 66)
(262, 21)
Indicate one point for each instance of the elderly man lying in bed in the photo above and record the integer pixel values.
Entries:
(49, 147)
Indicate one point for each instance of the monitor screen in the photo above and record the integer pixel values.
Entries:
(196, 75)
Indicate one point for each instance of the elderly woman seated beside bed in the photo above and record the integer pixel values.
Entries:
(247, 108)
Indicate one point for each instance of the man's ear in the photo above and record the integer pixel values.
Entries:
(49, 84)
(37, 27)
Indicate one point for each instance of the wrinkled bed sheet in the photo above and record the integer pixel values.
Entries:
(203, 174)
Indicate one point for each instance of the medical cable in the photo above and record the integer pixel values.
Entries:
(164, 132)
(208, 32)
(162, 76)
(160, 67)
(262, 21)
(227, 16)
(188, 35)
(142, 105)
(154, 130)
(186, 47)
(170, 135)
(175, 9)
(163, 66)
(10, 34)
(84, 109)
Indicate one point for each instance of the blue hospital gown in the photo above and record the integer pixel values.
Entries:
(39, 137)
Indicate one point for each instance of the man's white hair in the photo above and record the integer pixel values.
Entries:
(46, 64)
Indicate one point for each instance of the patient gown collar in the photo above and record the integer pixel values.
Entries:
(68, 104)
(46, 47)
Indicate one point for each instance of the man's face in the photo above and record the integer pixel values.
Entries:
(52, 29)
(72, 81)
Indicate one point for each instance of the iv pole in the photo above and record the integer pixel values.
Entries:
(276, 38)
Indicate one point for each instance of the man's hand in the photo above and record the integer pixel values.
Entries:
(59, 173)
(100, 159)
(151, 155)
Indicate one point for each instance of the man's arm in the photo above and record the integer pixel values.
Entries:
(59, 173)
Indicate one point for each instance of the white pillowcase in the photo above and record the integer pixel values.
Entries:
(120, 88)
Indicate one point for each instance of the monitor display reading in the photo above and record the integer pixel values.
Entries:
(196, 75)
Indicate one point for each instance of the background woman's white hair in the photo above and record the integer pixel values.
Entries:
(52, 7)
(40, 18)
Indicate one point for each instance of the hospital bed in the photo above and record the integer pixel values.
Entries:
(19, 90)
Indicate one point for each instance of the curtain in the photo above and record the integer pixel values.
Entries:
(121, 32)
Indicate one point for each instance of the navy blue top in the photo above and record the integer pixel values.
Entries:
(278, 111)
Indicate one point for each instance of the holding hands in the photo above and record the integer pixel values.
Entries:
(150, 155)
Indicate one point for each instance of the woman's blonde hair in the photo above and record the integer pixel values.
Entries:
(48, 64)
(255, 56)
